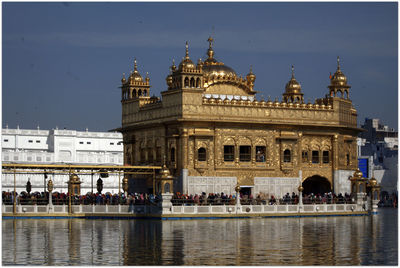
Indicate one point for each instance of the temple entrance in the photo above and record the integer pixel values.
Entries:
(316, 185)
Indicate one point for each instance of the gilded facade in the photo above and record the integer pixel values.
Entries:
(215, 133)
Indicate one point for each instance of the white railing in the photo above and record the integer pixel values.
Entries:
(187, 210)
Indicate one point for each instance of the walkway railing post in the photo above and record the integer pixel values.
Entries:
(15, 189)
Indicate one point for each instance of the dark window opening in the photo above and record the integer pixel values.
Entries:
(172, 154)
(201, 154)
(229, 153)
(245, 153)
(260, 153)
(325, 157)
(287, 158)
(315, 157)
(304, 156)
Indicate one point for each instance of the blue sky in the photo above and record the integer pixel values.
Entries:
(62, 63)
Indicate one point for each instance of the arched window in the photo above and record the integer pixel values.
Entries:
(144, 92)
(140, 92)
(186, 82)
(198, 82)
(134, 93)
(201, 154)
(192, 83)
(172, 155)
(287, 156)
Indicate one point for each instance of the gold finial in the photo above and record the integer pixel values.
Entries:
(135, 65)
(210, 40)
(338, 63)
(292, 71)
(210, 51)
(251, 68)
(187, 50)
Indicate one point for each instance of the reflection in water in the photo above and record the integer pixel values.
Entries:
(282, 241)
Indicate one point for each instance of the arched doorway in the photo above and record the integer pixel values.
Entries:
(316, 185)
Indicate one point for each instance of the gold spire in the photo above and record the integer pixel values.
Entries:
(187, 51)
(292, 71)
(338, 63)
(173, 67)
(210, 40)
(123, 80)
(210, 51)
(186, 62)
(135, 66)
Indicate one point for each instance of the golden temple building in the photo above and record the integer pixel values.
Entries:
(216, 134)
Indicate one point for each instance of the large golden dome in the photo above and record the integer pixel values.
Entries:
(211, 67)
(218, 70)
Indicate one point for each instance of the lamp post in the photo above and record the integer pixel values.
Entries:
(44, 182)
(50, 189)
(28, 187)
(99, 185)
(14, 194)
(237, 189)
(301, 189)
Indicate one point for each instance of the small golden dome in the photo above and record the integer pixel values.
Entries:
(338, 78)
(293, 86)
(187, 63)
(74, 178)
(372, 181)
(358, 174)
(165, 172)
(135, 75)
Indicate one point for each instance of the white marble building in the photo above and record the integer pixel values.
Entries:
(56, 146)
(380, 144)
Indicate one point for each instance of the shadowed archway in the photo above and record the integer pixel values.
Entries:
(316, 185)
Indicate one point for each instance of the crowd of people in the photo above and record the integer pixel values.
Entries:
(260, 199)
(37, 198)
(179, 199)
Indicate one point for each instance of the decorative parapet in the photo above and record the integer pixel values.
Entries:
(216, 99)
